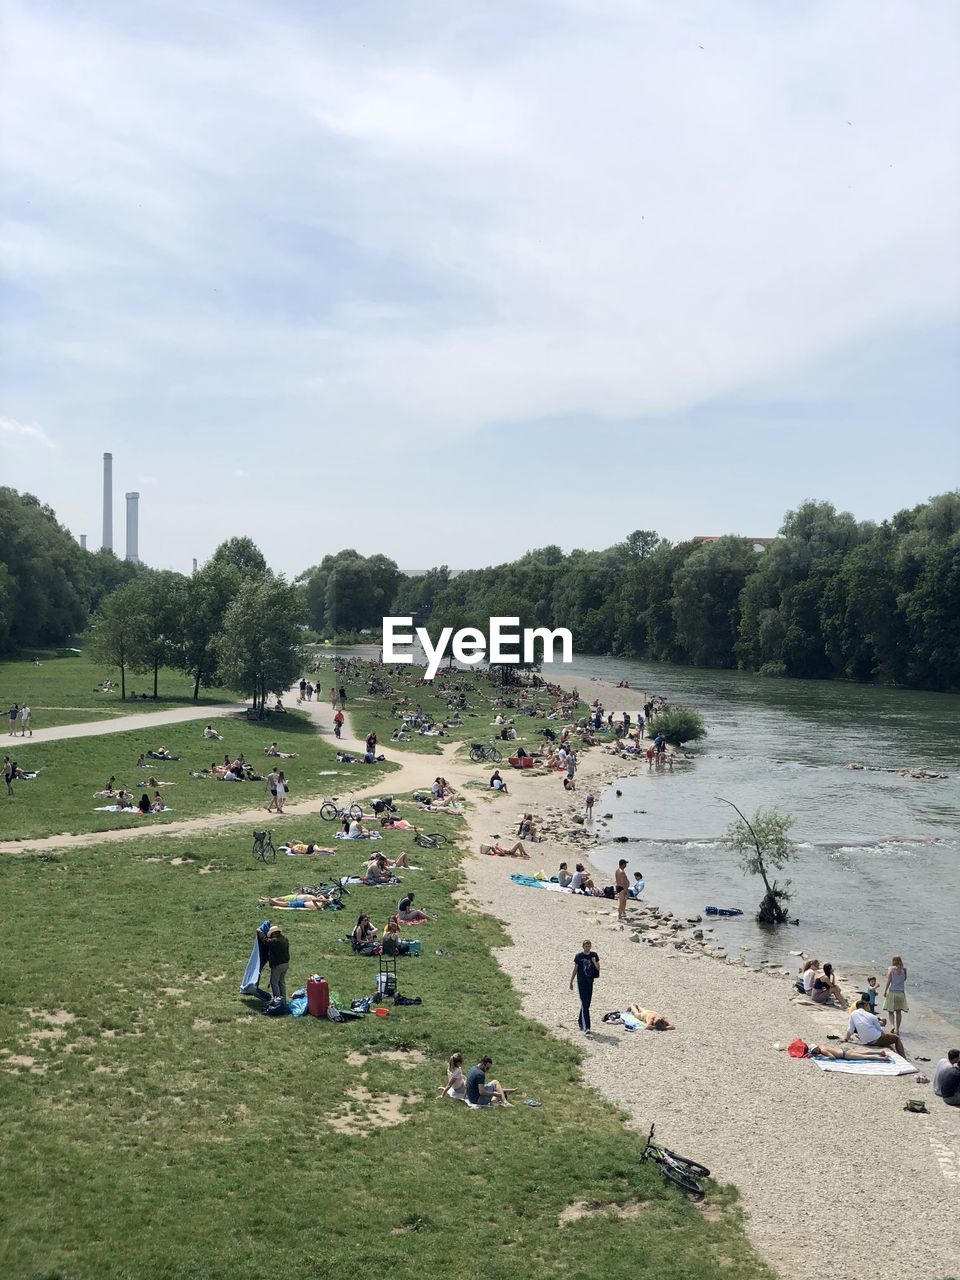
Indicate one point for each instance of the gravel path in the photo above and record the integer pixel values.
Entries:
(123, 724)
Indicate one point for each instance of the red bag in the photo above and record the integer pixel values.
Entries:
(318, 996)
(798, 1048)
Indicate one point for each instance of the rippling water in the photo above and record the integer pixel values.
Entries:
(878, 860)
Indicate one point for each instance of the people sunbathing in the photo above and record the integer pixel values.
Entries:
(500, 851)
(456, 1086)
(161, 753)
(303, 848)
(298, 901)
(651, 1019)
(274, 751)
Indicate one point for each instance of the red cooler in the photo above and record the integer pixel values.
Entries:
(318, 996)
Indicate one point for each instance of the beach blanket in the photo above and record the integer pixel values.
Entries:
(531, 882)
(894, 1066)
(251, 975)
(315, 853)
(343, 835)
(116, 808)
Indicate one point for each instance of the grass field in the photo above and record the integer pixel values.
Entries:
(157, 1127)
(61, 799)
(64, 691)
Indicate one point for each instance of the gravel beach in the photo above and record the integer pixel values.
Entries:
(835, 1177)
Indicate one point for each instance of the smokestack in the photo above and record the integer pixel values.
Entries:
(133, 526)
(194, 564)
(83, 542)
(108, 501)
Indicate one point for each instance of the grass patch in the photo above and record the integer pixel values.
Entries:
(61, 799)
(172, 1131)
(64, 691)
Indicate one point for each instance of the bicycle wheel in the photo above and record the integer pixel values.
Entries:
(355, 812)
(683, 1180)
(495, 755)
(425, 840)
(436, 840)
(268, 853)
(328, 811)
(477, 755)
(688, 1166)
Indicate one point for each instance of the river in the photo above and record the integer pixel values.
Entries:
(877, 865)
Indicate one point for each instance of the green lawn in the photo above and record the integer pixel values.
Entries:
(65, 691)
(157, 1127)
(61, 799)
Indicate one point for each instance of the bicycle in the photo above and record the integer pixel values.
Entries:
(429, 839)
(679, 1170)
(330, 811)
(334, 890)
(479, 753)
(263, 850)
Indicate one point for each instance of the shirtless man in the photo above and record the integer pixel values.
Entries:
(622, 885)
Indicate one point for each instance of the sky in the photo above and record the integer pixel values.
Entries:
(448, 281)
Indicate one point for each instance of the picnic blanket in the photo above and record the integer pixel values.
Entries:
(531, 882)
(343, 835)
(315, 853)
(894, 1066)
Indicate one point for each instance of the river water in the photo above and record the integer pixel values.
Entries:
(877, 866)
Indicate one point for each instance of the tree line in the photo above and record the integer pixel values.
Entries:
(829, 597)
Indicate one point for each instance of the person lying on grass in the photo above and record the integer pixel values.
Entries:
(651, 1019)
(305, 848)
(498, 851)
(379, 862)
(303, 901)
(407, 913)
(274, 751)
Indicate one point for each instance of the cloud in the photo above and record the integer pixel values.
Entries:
(10, 429)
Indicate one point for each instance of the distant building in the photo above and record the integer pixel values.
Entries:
(758, 544)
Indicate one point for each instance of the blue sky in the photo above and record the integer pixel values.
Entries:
(449, 281)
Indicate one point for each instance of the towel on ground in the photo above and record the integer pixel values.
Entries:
(894, 1066)
(531, 882)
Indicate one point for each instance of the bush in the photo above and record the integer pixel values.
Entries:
(679, 725)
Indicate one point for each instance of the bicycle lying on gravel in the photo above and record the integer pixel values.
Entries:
(684, 1173)
(479, 752)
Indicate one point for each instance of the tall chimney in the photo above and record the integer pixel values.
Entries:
(133, 529)
(194, 564)
(108, 501)
(83, 542)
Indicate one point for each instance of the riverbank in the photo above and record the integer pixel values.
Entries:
(782, 1131)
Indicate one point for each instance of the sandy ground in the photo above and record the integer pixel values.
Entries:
(836, 1179)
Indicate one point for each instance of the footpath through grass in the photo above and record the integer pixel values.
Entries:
(66, 691)
(62, 799)
(158, 1127)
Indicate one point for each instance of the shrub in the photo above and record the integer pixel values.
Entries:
(679, 725)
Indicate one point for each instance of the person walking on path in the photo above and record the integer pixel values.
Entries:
(586, 970)
(894, 993)
(25, 714)
(278, 954)
(281, 790)
(273, 778)
(622, 885)
(343, 696)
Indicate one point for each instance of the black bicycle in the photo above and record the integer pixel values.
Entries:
(478, 753)
(334, 891)
(263, 850)
(429, 839)
(684, 1173)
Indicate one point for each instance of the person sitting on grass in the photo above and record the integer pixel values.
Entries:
(142, 761)
(651, 1019)
(482, 1092)
(274, 751)
(384, 863)
(868, 1029)
(500, 851)
(390, 941)
(364, 937)
(407, 913)
(456, 1086)
(497, 783)
(159, 805)
(143, 804)
(210, 732)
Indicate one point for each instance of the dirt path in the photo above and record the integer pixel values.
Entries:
(123, 724)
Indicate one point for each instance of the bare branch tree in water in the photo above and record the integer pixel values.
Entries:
(761, 843)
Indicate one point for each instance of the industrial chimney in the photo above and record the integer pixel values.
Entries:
(194, 564)
(133, 526)
(108, 501)
(83, 542)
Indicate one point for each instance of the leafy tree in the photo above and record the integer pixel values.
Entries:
(349, 592)
(45, 584)
(706, 600)
(679, 725)
(243, 554)
(115, 636)
(259, 649)
(160, 598)
(204, 605)
(763, 844)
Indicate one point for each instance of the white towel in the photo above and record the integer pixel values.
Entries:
(894, 1066)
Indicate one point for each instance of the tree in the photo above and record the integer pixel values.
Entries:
(115, 635)
(762, 843)
(243, 554)
(45, 583)
(160, 597)
(205, 602)
(679, 725)
(259, 649)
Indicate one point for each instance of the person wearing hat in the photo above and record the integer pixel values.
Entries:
(278, 955)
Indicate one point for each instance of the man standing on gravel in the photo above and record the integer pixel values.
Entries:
(586, 969)
(622, 885)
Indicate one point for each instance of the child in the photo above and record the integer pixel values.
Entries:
(588, 802)
(871, 994)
